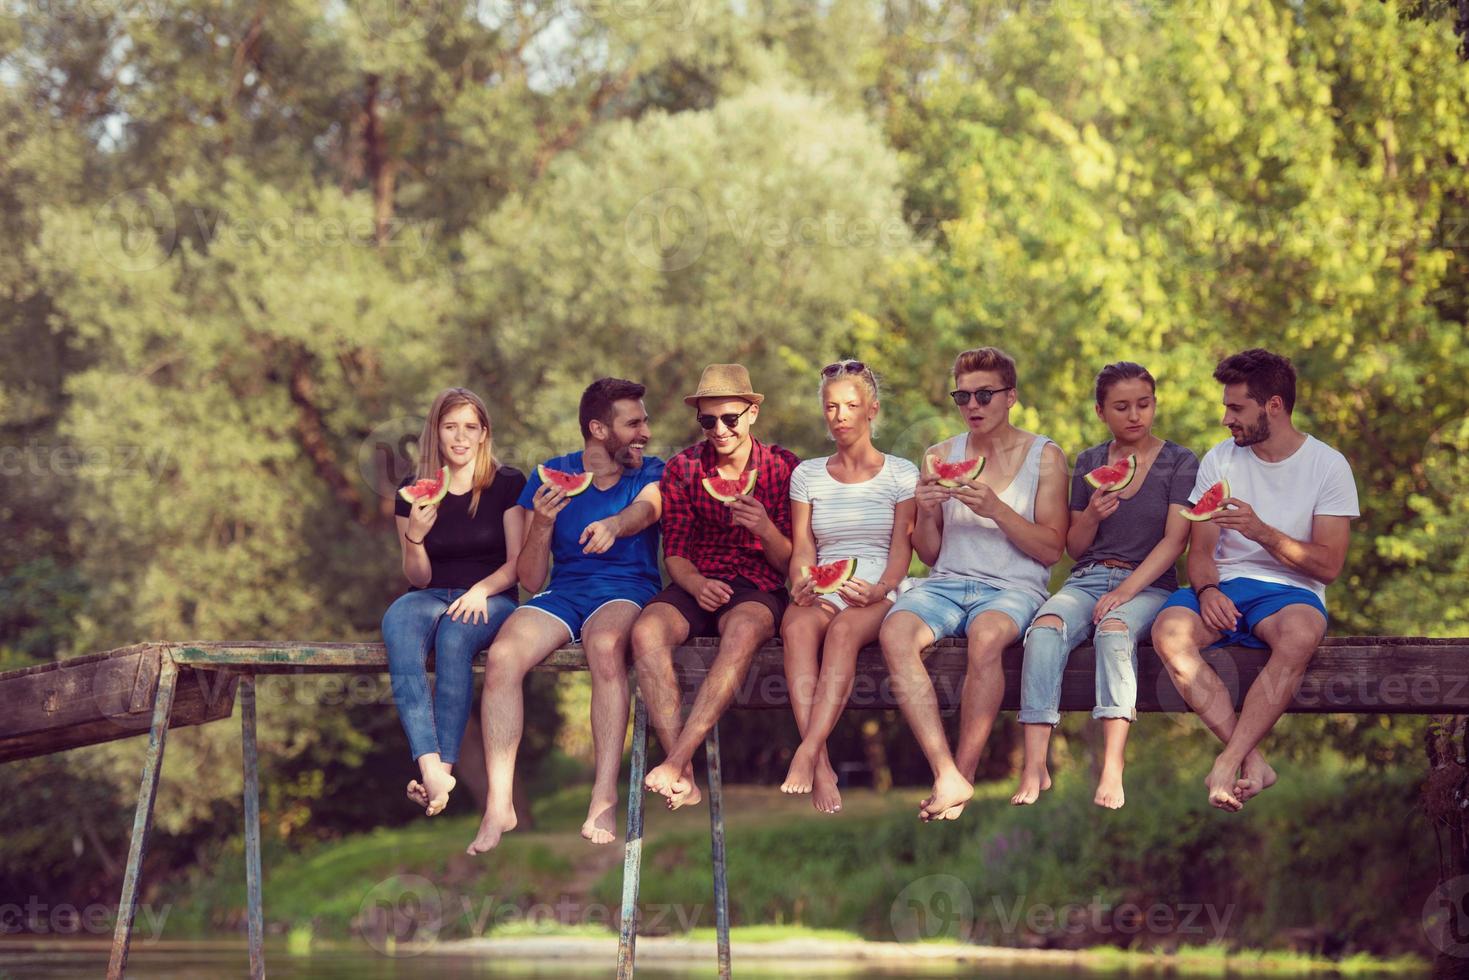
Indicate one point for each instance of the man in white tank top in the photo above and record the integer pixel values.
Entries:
(1258, 569)
(990, 543)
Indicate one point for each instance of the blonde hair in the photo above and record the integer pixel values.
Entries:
(431, 458)
(864, 378)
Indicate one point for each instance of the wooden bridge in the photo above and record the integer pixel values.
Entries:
(152, 687)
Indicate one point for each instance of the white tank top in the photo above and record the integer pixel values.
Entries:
(975, 547)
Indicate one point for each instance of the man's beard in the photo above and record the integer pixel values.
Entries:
(1250, 435)
(621, 453)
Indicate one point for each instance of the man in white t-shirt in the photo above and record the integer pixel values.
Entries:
(1259, 567)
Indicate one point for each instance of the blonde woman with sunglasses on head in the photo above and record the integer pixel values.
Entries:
(854, 504)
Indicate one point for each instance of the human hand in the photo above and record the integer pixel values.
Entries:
(472, 606)
(712, 594)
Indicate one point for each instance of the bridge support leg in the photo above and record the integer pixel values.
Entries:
(254, 912)
(632, 859)
(716, 848)
(127, 906)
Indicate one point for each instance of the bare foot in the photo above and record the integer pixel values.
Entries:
(1220, 783)
(826, 797)
(685, 791)
(1032, 785)
(1109, 789)
(950, 792)
(801, 775)
(491, 828)
(660, 779)
(1255, 778)
(601, 825)
(417, 794)
(437, 784)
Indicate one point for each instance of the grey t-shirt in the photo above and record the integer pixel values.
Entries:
(1137, 525)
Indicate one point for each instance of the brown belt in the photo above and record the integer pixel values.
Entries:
(1111, 563)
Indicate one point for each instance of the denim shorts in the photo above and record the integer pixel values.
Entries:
(948, 605)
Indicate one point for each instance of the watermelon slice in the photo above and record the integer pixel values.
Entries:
(1114, 476)
(829, 577)
(726, 491)
(950, 474)
(1209, 504)
(429, 491)
(571, 483)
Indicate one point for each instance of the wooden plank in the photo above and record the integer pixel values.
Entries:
(100, 698)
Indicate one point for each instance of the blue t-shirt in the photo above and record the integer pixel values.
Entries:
(632, 559)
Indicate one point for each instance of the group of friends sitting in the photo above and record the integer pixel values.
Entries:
(739, 568)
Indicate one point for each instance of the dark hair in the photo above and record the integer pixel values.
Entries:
(1122, 371)
(596, 401)
(1262, 373)
(986, 359)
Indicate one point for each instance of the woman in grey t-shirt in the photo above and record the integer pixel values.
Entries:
(1125, 544)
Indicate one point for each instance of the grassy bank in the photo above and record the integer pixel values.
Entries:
(1330, 864)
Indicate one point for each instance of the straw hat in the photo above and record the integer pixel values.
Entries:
(724, 381)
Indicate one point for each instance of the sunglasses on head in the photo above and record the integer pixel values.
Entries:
(850, 367)
(729, 419)
(982, 395)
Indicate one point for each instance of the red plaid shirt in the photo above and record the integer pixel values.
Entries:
(700, 528)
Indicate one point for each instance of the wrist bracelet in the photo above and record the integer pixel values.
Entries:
(411, 541)
(1200, 590)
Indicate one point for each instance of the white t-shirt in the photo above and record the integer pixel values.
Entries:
(853, 520)
(1315, 479)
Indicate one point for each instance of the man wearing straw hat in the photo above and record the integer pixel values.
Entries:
(728, 565)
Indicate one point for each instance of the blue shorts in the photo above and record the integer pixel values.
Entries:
(1256, 600)
(572, 604)
(948, 605)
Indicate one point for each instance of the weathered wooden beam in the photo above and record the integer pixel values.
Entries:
(101, 697)
(1414, 675)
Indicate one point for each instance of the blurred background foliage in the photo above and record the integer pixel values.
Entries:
(248, 242)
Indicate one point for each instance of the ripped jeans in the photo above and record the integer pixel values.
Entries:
(1047, 648)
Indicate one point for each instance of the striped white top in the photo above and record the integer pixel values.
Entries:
(853, 520)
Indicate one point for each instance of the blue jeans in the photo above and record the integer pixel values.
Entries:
(1047, 648)
(414, 624)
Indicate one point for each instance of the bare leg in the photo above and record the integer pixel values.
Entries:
(605, 638)
(849, 632)
(1114, 742)
(984, 688)
(657, 631)
(1293, 633)
(526, 639)
(741, 631)
(1178, 636)
(904, 636)
(1035, 775)
(801, 631)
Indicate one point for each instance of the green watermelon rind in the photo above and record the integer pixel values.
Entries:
(849, 569)
(1097, 484)
(725, 498)
(932, 464)
(437, 498)
(1191, 514)
(557, 478)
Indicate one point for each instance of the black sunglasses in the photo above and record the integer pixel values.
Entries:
(851, 367)
(982, 395)
(729, 419)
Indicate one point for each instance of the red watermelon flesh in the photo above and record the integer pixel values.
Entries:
(726, 491)
(429, 491)
(571, 483)
(829, 577)
(950, 474)
(1209, 504)
(1113, 477)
